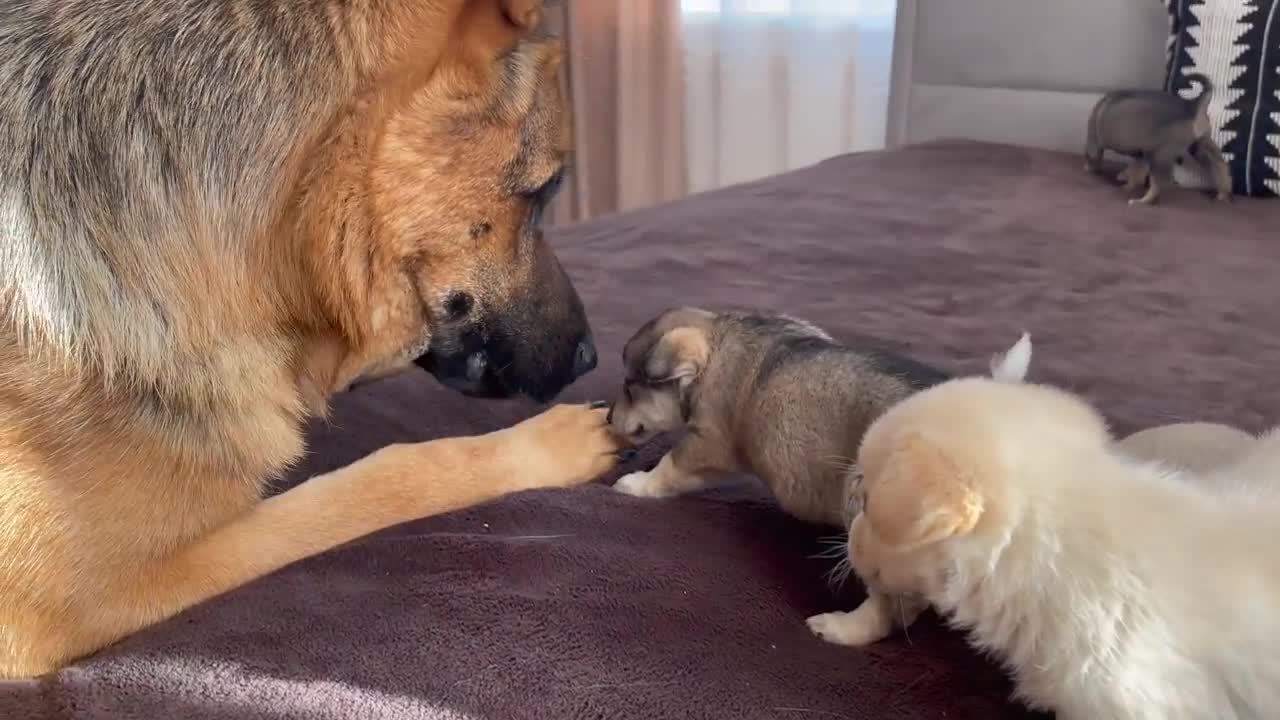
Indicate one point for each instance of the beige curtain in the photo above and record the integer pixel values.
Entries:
(671, 97)
(624, 79)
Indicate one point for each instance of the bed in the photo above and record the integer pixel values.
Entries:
(590, 605)
(587, 604)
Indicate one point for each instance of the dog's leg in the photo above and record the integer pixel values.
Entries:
(1092, 156)
(1093, 147)
(1160, 165)
(871, 622)
(691, 465)
(1157, 173)
(1209, 155)
(1152, 194)
(564, 446)
(1135, 175)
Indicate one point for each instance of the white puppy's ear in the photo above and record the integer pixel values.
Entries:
(680, 355)
(1011, 367)
(923, 493)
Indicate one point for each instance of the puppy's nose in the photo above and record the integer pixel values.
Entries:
(584, 358)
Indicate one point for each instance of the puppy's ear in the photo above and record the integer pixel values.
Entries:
(923, 493)
(681, 355)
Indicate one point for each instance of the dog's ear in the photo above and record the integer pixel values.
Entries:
(524, 14)
(922, 493)
(679, 355)
(490, 30)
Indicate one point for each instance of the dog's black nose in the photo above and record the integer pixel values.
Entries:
(584, 359)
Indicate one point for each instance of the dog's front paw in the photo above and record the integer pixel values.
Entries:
(854, 629)
(642, 484)
(563, 446)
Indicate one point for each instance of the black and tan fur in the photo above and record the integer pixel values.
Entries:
(217, 213)
(1157, 130)
(770, 396)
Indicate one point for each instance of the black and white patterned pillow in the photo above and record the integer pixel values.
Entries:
(1236, 43)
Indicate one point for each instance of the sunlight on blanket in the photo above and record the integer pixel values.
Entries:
(224, 689)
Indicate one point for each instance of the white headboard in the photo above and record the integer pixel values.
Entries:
(1025, 72)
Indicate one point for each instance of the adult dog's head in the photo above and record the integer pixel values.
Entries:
(347, 188)
(439, 257)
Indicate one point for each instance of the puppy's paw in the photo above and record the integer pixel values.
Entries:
(642, 484)
(854, 629)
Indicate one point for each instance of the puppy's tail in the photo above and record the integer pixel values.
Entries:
(1206, 88)
(1011, 367)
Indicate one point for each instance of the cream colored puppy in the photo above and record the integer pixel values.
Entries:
(1197, 447)
(1111, 588)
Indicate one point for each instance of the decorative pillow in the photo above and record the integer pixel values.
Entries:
(1236, 44)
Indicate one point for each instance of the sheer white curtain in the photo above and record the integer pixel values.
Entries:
(772, 85)
(679, 96)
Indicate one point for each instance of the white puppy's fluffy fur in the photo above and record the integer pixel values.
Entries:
(876, 617)
(1112, 588)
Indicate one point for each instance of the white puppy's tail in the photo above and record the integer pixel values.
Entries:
(1011, 367)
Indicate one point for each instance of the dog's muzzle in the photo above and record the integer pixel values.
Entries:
(493, 369)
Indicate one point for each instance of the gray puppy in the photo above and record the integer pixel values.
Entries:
(767, 395)
(1157, 129)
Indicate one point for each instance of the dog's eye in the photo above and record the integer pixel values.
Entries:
(544, 192)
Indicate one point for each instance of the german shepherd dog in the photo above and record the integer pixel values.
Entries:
(216, 214)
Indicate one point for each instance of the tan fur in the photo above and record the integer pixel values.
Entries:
(146, 404)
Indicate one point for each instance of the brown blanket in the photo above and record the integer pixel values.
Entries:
(586, 604)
